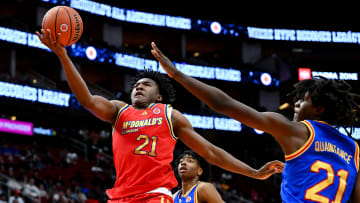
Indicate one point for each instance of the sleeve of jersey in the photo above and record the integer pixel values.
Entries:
(168, 111)
(306, 145)
(118, 115)
(356, 159)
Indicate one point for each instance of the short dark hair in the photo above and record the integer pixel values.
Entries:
(334, 95)
(193, 155)
(166, 88)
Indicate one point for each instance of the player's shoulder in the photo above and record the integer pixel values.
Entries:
(119, 104)
(206, 186)
(207, 191)
(178, 117)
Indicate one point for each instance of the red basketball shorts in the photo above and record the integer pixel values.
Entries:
(144, 198)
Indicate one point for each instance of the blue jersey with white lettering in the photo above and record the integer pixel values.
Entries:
(323, 170)
(189, 197)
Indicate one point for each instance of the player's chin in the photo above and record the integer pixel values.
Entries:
(182, 175)
(137, 99)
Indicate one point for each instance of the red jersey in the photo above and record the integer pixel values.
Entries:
(143, 144)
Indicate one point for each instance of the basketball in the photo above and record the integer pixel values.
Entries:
(64, 20)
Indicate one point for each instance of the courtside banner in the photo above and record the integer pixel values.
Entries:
(17, 127)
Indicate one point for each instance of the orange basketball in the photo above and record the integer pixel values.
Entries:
(64, 20)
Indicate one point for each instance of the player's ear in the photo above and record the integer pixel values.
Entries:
(200, 171)
(159, 98)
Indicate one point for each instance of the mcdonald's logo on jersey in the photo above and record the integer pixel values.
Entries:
(156, 111)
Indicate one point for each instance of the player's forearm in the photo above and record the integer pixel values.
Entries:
(223, 159)
(210, 95)
(75, 81)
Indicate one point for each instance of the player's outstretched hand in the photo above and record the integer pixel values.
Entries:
(164, 61)
(53, 45)
(269, 169)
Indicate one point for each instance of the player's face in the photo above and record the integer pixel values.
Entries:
(304, 109)
(189, 168)
(144, 92)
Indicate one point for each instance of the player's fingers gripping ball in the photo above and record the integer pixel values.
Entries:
(64, 20)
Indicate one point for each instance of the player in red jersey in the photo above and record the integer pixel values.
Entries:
(145, 133)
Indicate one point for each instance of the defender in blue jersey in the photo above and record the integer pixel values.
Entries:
(189, 167)
(324, 169)
(189, 197)
(322, 165)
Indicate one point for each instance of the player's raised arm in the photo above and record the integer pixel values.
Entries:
(216, 155)
(216, 99)
(99, 106)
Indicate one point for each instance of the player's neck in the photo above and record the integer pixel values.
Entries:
(188, 185)
(141, 106)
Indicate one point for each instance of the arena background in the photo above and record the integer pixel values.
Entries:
(66, 154)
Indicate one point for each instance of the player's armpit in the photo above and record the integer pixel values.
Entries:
(104, 109)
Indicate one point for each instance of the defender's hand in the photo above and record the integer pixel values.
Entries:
(269, 169)
(164, 61)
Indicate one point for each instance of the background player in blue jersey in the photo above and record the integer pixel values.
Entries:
(192, 189)
(322, 165)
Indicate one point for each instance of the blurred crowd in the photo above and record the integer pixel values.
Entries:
(46, 169)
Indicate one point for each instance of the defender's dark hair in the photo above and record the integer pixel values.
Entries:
(193, 155)
(334, 96)
(166, 89)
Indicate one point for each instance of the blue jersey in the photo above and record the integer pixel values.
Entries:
(189, 197)
(324, 170)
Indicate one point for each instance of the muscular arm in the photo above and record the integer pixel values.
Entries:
(216, 155)
(290, 135)
(208, 193)
(99, 106)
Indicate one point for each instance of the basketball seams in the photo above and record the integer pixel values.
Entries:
(61, 19)
(56, 16)
(71, 28)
